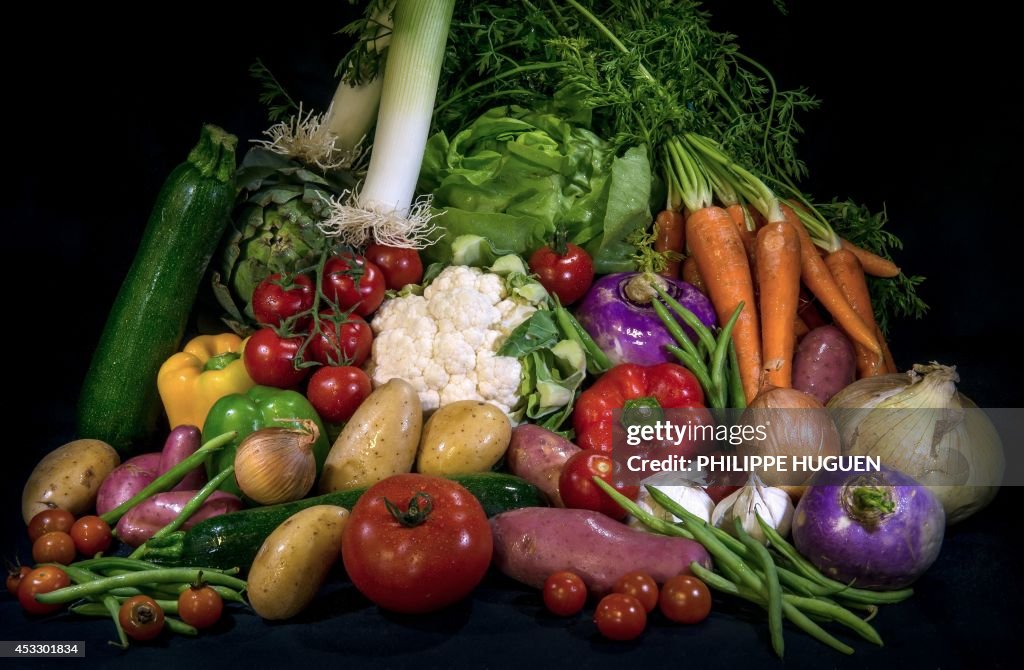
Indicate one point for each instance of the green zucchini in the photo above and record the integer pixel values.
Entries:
(232, 540)
(119, 403)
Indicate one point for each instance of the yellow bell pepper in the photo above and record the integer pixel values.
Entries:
(191, 381)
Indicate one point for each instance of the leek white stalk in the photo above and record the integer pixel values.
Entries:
(384, 209)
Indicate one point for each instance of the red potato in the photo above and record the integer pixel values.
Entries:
(824, 363)
(181, 443)
(126, 480)
(532, 543)
(537, 455)
(142, 521)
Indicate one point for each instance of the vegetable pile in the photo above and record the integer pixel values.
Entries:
(441, 301)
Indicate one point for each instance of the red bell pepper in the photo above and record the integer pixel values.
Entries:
(665, 385)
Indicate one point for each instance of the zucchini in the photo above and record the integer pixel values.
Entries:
(232, 540)
(119, 403)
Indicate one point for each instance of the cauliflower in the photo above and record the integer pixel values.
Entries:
(444, 342)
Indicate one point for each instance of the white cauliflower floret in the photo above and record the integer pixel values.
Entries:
(444, 342)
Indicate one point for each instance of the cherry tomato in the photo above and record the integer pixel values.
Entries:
(41, 580)
(270, 359)
(91, 535)
(352, 281)
(567, 275)
(48, 521)
(565, 593)
(620, 617)
(141, 618)
(336, 392)
(55, 547)
(685, 599)
(14, 577)
(345, 342)
(275, 299)
(641, 586)
(400, 266)
(200, 606)
(577, 487)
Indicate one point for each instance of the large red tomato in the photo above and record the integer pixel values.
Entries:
(416, 543)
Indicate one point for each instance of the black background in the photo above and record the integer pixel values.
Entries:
(917, 116)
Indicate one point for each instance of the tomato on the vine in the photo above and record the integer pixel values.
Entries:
(620, 617)
(641, 586)
(416, 543)
(567, 273)
(336, 392)
(91, 535)
(200, 606)
(14, 577)
(400, 266)
(55, 547)
(565, 593)
(270, 359)
(49, 521)
(41, 580)
(277, 298)
(141, 618)
(685, 599)
(340, 342)
(351, 281)
(577, 488)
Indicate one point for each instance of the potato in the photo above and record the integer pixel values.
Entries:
(68, 477)
(379, 440)
(463, 437)
(537, 455)
(824, 363)
(294, 560)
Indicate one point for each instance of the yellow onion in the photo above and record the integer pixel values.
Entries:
(917, 422)
(276, 465)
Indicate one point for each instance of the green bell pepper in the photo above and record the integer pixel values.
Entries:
(260, 407)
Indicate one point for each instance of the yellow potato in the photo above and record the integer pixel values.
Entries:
(294, 560)
(68, 477)
(463, 437)
(379, 440)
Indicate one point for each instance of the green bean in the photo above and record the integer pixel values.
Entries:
(813, 629)
(654, 523)
(736, 393)
(168, 606)
(90, 609)
(707, 340)
(722, 348)
(170, 478)
(674, 329)
(166, 575)
(834, 612)
(226, 593)
(180, 627)
(114, 563)
(772, 587)
(700, 372)
(597, 360)
(114, 609)
(689, 517)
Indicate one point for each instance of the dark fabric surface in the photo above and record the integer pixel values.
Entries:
(915, 117)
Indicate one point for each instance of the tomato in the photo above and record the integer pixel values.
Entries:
(685, 599)
(641, 586)
(41, 580)
(275, 299)
(400, 266)
(429, 550)
(568, 275)
(14, 577)
(48, 521)
(565, 593)
(336, 392)
(200, 606)
(352, 281)
(141, 618)
(91, 535)
(577, 487)
(55, 547)
(339, 342)
(620, 617)
(270, 359)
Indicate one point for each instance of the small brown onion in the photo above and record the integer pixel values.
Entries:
(796, 425)
(276, 465)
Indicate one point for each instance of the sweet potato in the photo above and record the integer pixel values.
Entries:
(142, 521)
(824, 363)
(126, 480)
(181, 443)
(532, 543)
(537, 455)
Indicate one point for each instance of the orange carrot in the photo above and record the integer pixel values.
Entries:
(849, 275)
(873, 264)
(738, 214)
(890, 362)
(819, 280)
(778, 271)
(722, 261)
(669, 231)
(691, 275)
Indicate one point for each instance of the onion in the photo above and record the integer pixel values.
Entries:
(796, 424)
(919, 424)
(276, 465)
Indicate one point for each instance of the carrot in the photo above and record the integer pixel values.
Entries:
(799, 328)
(890, 362)
(722, 262)
(819, 280)
(691, 275)
(874, 265)
(778, 271)
(669, 231)
(738, 214)
(849, 275)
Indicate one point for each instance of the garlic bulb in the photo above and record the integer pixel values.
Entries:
(773, 504)
(276, 465)
(689, 495)
(919, 424)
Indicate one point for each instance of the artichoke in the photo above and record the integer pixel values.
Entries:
(274, 229)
